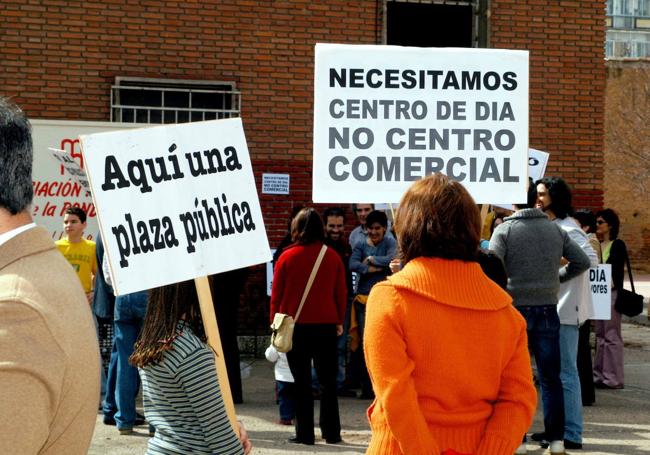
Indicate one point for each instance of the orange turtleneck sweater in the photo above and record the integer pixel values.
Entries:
(448, 358)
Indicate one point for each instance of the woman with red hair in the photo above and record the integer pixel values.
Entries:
(445, 348)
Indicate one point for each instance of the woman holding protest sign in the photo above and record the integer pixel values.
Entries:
(319, 323)
(446, 350)
(181, 392)
(608, 362)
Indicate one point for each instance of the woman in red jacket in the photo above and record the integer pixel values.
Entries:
(445, 348)
(320, 322)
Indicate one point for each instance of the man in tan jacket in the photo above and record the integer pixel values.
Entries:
(49, 358)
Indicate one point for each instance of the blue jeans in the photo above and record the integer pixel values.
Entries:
(571, 382)
(129, 315)
(342, 349)
(543, 328)
(285, 400)
(102, 390)
(109, 406)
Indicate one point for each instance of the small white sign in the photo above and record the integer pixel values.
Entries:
(601, 293)
(71, 167)
(54, 188)
(269, 275)
(537, 161)
(275, 183)
(385, 116)
(175, 202)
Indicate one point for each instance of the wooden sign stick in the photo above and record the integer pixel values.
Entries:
(212, 332)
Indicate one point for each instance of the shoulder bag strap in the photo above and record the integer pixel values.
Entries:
(629, 270)
(314, 270)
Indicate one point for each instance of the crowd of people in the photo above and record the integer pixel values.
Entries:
(419, 317)
(539, 254)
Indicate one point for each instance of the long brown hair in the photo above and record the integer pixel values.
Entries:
(437, 217)
(167, 305)
(307, 227)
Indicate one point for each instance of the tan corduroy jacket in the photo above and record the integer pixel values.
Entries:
(49, 358)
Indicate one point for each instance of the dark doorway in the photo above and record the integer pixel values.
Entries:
(429, 25)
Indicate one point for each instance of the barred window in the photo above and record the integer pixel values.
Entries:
(144, 100)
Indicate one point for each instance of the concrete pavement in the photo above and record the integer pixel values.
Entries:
(618, 424)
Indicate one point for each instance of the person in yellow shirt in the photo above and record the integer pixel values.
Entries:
(79, 252)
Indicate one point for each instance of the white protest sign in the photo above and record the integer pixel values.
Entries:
(175, 202)
(385, 116)
(71, 167)
(537, 161)
(601, 294)
(269, 275)
(275, 183)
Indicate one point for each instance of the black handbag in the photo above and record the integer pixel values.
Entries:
(627, 302)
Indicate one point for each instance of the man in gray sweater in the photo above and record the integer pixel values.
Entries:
(532, 247)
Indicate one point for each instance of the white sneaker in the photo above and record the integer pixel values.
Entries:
(557, 448)
(521, 450)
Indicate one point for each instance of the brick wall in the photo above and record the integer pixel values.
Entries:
(59, 59)
(567, 83)
(627, 154)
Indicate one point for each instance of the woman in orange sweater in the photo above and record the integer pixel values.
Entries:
(445, 348)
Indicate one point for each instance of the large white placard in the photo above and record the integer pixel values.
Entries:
(601, 293)
(175, 202)
(385, 116)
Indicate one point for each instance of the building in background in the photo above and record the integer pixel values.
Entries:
(628, 29)
(169, 61)
(627, 123)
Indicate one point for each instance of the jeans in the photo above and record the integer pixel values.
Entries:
(342, 349)
(543, 328)
(129, 315)
(102, 373)
(571, 382)
(109, 406)
(285, 399)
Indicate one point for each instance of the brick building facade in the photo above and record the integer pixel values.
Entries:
(627, 154)
(59, 60)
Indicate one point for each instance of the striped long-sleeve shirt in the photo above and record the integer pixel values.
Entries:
(182, 400)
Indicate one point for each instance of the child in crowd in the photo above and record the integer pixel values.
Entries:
(79, 252)
(283, 384)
